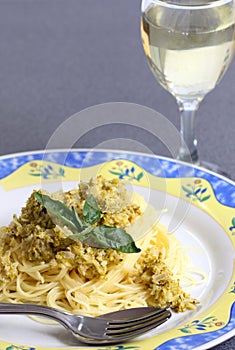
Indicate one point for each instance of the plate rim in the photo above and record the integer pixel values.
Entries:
(104, 150)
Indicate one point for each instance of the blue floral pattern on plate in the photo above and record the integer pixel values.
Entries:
(193, 341)
(223, 188)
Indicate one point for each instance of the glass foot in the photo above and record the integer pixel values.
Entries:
(215, 168)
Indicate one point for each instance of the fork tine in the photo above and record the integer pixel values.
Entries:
(114, 336)
(128, 313)
(140, 331)
(138, 320)
(133, 329)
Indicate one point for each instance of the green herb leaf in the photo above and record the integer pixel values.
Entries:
(61, 214)
(91, 211)
(95, 236)
(110, 237)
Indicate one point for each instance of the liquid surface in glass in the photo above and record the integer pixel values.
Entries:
(188, 50)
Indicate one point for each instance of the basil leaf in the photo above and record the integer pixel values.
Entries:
(95, 236)
(109, 237)
(91, 211)
(61, 214)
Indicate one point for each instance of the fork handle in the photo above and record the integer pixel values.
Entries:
(37, 310)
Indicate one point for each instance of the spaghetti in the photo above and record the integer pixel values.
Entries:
(39, 264)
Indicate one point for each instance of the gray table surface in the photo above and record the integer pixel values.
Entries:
(58, 57)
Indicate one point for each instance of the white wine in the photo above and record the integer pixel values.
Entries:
(191, 59)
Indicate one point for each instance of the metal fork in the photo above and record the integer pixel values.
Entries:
(109, 328)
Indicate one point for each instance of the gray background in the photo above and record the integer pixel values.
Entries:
(58, 57)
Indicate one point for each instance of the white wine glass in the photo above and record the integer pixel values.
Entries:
(189, 45)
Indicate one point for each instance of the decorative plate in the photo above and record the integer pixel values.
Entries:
(200, 211)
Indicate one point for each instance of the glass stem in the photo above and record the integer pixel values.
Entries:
(188, 151)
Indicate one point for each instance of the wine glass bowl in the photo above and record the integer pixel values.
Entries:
(189, 45)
